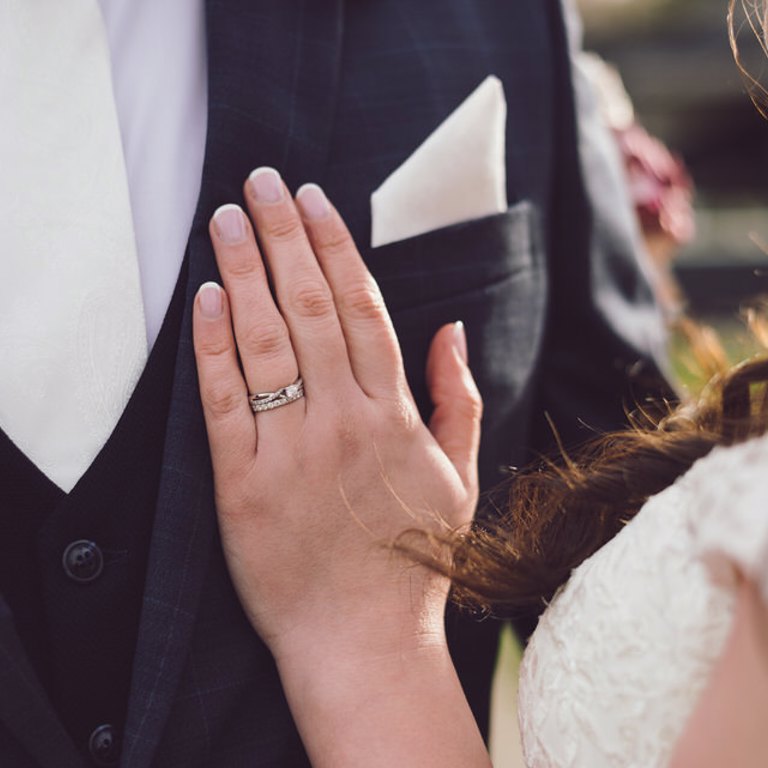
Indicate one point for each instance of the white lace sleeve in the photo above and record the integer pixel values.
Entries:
(626, 647)
(728, 513)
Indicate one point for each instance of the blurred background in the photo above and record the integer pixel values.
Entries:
(677, 66)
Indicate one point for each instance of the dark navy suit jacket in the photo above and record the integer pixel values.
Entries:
(557, 311)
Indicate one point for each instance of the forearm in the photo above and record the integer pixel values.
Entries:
(728, 726)
(403, 709)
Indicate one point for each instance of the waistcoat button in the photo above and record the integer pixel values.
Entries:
(83, 561)
(103, 745)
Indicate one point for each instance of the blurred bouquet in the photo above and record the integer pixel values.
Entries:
(660, 188)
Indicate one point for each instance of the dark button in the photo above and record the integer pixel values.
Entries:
(83, 561)
(103, 745)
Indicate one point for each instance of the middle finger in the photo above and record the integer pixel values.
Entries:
(305, 299)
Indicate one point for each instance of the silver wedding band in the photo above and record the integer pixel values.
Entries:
(268, 401)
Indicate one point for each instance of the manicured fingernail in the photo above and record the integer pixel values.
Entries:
(229, 221)
(312, 202)
(210, 300)
(460, 340)
(266, 185)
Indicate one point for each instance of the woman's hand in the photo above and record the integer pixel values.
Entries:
(309, 494)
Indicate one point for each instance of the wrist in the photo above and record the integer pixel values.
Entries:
(338, 645)
(339, 676)
(401, 708)
(363, 627)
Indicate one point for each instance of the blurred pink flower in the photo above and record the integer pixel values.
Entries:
(659, 184)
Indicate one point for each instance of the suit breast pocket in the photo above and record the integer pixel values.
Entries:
(454, 260)
(488, 273)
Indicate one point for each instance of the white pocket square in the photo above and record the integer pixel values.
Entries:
(457, 174)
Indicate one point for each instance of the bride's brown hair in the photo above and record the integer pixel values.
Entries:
(551, 517)
(557, 514)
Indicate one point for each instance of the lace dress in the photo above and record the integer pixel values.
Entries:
(620, 657)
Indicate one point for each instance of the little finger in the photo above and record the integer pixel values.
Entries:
(228, 417)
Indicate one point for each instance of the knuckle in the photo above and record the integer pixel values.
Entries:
(221, 400)
(334, 241)
(312, 300)
(244, 266)
(402, 415)
(212, 348)
(347, 435)
(364, 302)
(267, 340)
(284, 228)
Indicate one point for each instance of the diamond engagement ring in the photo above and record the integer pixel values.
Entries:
(267, 401)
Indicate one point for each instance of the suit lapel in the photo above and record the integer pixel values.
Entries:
(273, 73)
(24, 706)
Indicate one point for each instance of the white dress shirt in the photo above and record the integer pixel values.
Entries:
(159, 73)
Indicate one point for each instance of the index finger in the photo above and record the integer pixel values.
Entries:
(374, 351)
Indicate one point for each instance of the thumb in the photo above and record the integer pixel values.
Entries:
(455, 422)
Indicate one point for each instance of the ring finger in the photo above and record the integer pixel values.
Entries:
(263, 341)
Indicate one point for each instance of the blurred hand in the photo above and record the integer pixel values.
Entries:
(310, 494)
